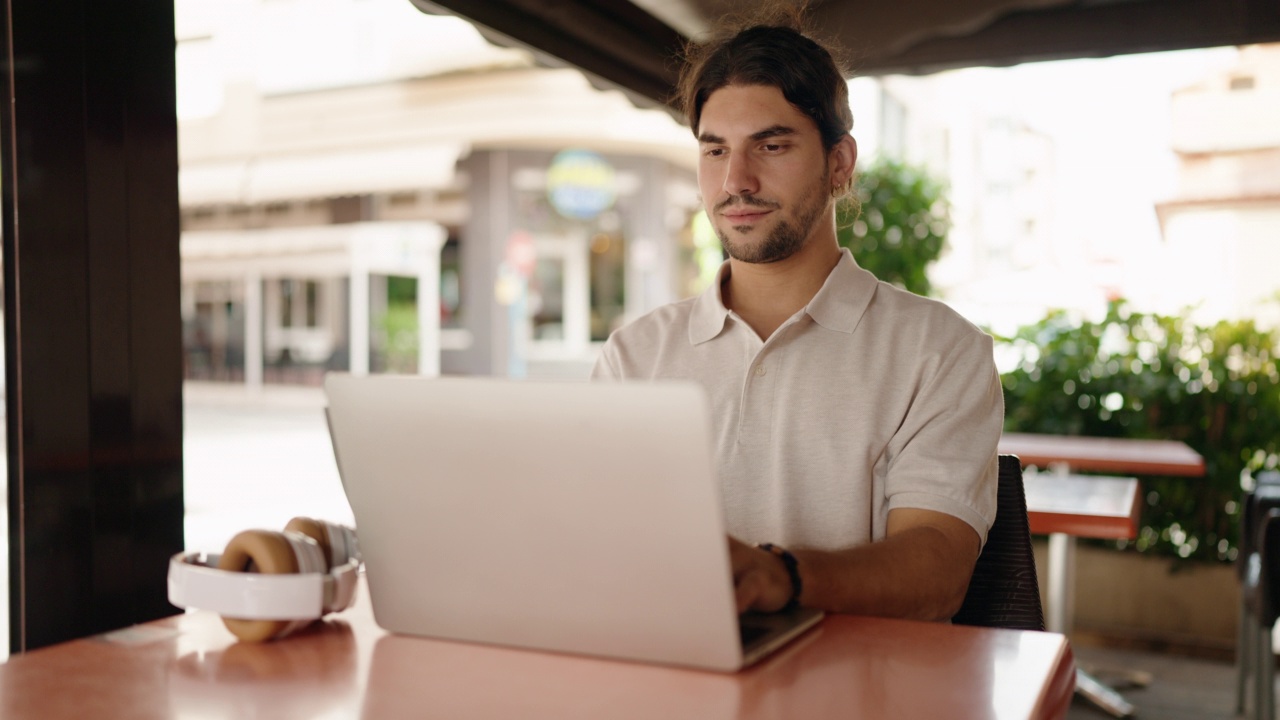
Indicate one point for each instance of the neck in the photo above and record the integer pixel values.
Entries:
(765, 295)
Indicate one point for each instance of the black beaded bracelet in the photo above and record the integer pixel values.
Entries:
(793, 570)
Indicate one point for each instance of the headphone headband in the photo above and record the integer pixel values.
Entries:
(196, 582)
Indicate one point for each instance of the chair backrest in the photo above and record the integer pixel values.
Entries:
(1004, 591)
(1255, 506)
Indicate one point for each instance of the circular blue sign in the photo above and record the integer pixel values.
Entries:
(580, 184)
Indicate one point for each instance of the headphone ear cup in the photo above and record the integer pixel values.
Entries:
(337, 541)
(316, 530)
(260, 551)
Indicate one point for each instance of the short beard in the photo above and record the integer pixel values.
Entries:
(788, 237)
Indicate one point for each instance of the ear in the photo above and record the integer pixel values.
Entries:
(841, 159)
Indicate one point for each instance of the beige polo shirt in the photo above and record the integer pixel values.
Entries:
(870, 398)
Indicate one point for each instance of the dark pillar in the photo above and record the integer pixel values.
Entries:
(92, 325)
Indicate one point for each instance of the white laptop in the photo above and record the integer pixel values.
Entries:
(571, 517)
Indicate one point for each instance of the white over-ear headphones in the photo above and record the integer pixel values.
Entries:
(267, 584)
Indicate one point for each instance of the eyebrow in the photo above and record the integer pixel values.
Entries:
(707, 138)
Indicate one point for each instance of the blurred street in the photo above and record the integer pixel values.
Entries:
(254, 460)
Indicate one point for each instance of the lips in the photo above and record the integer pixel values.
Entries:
(745, 218)
(745, 210)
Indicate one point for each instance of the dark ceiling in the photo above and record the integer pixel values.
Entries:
(632, 44)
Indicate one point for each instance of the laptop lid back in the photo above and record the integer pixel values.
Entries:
(575, 517)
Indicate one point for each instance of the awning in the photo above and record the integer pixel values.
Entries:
(319, 174)
(632, 43)
(393, 248)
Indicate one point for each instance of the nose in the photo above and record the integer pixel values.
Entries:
(740, 175)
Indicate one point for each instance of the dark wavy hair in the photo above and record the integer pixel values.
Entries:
(771, 49)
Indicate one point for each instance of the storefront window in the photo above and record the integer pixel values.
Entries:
(577, 291)
(546, 299)
(608, 284)
(213, 330)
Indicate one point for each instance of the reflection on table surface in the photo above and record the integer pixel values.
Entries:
(849, 667)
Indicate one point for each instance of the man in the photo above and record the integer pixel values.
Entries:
(855, 423)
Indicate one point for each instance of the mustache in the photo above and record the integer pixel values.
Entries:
(748, 200)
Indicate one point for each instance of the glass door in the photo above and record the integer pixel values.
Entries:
(558, 300)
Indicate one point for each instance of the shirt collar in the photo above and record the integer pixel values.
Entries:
(838, 305)
(843, 299)
(709, 313)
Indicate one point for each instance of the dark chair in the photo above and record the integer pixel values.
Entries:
(1258, 563)
(1004, 592)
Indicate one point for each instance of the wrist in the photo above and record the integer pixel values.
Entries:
(793, 572)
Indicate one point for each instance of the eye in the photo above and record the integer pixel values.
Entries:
(772, 147)
(714, 152)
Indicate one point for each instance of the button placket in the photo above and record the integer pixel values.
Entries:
(759, 385)
(757, 405)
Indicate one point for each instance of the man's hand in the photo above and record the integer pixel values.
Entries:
(760, 580)
(920, 571)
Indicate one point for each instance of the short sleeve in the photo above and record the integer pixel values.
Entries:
(943, 456)
(604, 368)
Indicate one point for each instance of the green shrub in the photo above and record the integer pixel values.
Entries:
(1136, 375)
(396, 347)
(896, 223)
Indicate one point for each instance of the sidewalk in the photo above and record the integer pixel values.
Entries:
(206, 394)
(1181, 688)
(255, 459)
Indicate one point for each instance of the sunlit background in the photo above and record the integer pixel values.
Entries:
(368, 188)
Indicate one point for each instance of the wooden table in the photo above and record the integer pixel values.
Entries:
(1093, 506)
(1066, 506)
(1109, 455)
(346, 667)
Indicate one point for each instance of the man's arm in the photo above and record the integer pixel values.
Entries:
(919, 571)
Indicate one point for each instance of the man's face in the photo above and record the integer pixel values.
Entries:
(763, 172)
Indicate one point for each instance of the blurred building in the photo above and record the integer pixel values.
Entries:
(339, 158)
(1223, 224)
(999, 267)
